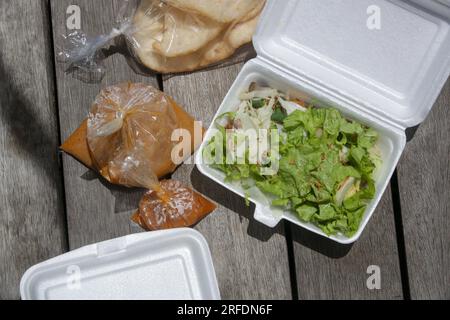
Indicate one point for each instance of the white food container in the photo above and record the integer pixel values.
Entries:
(380, 62)
(174, 264)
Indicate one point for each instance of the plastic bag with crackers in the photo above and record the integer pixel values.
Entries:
(170, 36)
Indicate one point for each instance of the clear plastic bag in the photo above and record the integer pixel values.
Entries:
(84, 53)
(167, 36)
(175, 206)
(129, 135)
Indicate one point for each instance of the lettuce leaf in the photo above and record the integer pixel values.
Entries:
(306, 212)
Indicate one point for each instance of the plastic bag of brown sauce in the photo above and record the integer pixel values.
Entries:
(129, 135)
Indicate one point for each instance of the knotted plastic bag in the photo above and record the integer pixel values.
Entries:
(167, 36)
(129, 136)
(173, 206)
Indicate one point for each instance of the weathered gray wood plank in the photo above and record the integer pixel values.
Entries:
(32, 227)
(250, 262)
(424, 181)
(95, 210)
(329, 271)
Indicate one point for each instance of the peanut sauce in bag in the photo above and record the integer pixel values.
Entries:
(178, 206)
(129, 140)
(132, 124)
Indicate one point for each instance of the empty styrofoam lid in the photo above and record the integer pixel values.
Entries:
(173, 264)
(391, 58)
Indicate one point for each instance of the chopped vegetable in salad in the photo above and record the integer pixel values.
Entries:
(326, 162)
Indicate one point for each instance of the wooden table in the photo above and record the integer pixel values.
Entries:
(51, 204)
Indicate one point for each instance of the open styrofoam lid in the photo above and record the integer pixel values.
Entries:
(174, 264)
(391, 58)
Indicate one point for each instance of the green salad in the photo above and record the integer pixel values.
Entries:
(326, 163)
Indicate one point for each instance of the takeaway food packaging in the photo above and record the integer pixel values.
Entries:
(382, 63)
(171, 264)
(127, 139)
(385, 75)
(167, 36)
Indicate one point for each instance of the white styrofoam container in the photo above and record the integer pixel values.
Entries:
(386, 78)
(174, 264)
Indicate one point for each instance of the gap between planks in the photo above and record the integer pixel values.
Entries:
(51, 41)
